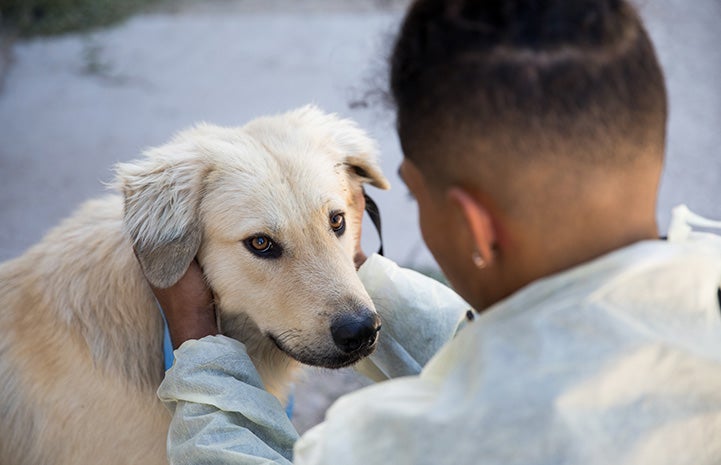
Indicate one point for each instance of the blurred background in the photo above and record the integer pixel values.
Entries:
(87, 83)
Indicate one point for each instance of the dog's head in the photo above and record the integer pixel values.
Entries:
(268, 210)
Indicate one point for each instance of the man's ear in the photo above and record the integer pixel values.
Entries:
(479, 220)
(161, 211)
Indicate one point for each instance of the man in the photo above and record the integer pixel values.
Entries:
(533, 135)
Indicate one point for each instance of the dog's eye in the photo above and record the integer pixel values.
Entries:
(263, 246)
(337, 223)
(261, 243)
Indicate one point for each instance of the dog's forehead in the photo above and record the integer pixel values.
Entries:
(291, 183)
(255, 185)
(301, 169)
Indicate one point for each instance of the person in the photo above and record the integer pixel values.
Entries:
(533, 136)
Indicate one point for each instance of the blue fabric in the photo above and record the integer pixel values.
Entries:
(168, 357)
(290, 403)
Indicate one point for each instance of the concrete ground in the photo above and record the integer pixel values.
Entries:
(72, 106)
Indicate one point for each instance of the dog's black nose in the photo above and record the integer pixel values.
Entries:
(356, 331)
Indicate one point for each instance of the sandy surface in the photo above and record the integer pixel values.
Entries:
(72, 106)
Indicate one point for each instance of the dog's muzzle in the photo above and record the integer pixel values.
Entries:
(355, 332)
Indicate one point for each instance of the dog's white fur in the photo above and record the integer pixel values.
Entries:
(80, 333)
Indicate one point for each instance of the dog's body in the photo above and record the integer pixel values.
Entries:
(259, 206)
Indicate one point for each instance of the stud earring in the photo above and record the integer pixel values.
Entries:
(478, 260)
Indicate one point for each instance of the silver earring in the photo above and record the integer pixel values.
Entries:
(478, 260)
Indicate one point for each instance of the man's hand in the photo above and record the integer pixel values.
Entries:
(357, 207)
(188, 307)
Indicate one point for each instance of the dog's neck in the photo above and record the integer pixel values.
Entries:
(275, 368)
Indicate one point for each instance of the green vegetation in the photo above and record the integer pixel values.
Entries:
(47, 17)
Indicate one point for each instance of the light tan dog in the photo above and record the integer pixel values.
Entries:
(267, 210)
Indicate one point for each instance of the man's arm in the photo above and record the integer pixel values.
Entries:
(419, 315)
(223, 415)
(221, 412)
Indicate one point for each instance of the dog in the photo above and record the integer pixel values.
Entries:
(267, 209)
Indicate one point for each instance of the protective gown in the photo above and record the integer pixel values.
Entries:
(616, 361)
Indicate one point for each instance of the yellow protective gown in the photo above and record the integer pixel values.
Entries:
(617, 361)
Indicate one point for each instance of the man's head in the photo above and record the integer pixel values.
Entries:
(534, 112)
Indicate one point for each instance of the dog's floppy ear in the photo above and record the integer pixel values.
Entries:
(162, 197)
(366, 167)
(355, 149)
(358, 150)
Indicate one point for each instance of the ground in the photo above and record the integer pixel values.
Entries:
(71, 106)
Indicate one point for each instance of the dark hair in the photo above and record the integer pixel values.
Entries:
(525, 80)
